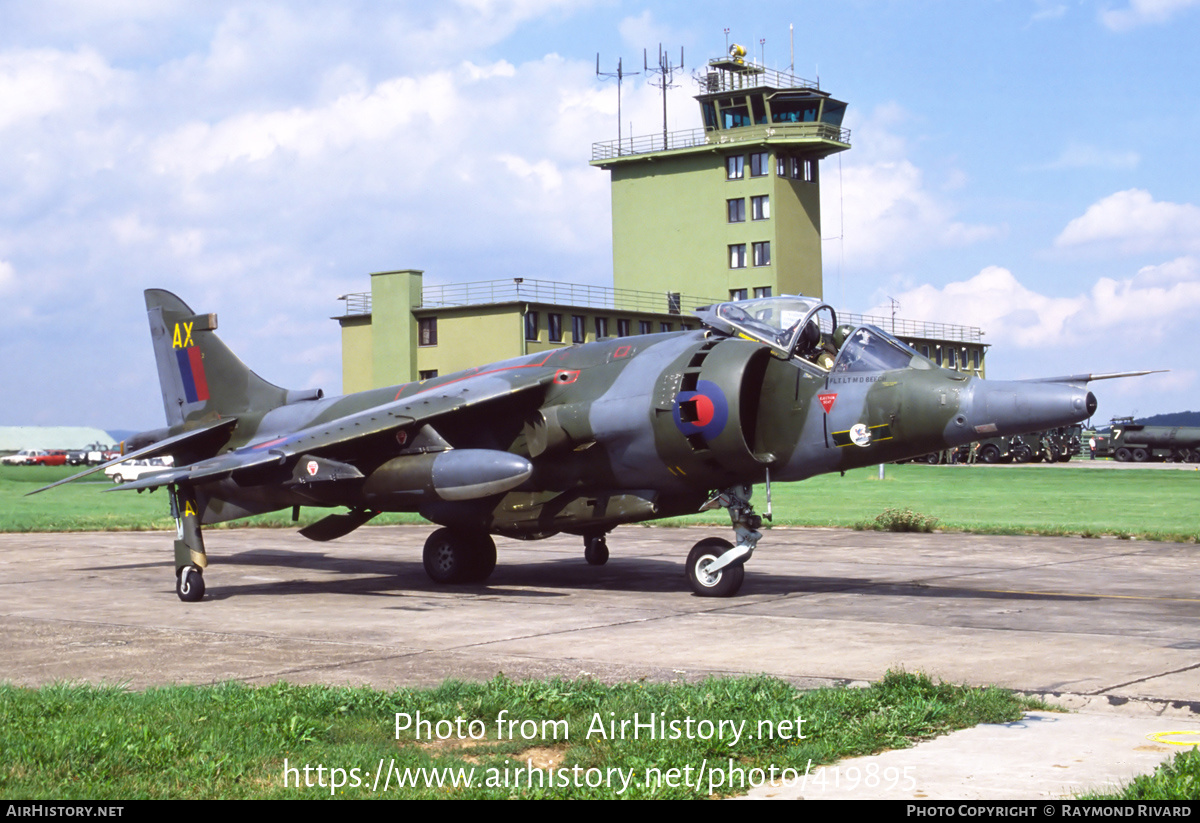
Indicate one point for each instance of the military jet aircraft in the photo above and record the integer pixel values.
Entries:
(578, 440)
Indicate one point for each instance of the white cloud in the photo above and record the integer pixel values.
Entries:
(41, 82)
(887, 210)
(1143, 12)
(1156, 303)
(890, 214)
(1133, 221)
(8, 275)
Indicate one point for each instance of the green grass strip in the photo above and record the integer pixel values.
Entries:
(232, 741)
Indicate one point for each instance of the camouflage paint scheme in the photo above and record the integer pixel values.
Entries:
(577, 440)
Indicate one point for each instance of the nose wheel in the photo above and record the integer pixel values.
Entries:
(706, 583)
(595, 551)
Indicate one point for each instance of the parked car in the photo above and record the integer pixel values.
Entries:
(133, 469)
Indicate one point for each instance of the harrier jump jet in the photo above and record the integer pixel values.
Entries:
(578, 440)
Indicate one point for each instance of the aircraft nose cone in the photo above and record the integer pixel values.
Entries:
(1011, 407)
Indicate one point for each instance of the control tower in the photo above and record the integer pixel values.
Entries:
(732, 209)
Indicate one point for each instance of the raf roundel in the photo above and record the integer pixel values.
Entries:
(704, 411)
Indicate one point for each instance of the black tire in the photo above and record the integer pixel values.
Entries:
(1022, 454)
(1140, 455)
(458, 557)
(596, 551)
(933, 458)
(989, 454)
(724, 583)
(189, 584)
(484, 561)
(1123, 455)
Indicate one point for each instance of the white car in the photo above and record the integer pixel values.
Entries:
(133, 469)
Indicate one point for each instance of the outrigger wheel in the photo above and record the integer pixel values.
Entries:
(189, 584)
(452, 556)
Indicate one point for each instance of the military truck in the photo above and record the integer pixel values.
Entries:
(1133, 442)
(1052, 446)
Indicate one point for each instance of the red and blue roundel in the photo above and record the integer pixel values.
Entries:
(704, 411)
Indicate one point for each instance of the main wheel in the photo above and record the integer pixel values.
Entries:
(483, 563)
(1022, 454)
(189, 584)
(990, 453)
(724, 583)
(596, 551)
(458, 557)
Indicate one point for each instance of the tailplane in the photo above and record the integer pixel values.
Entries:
(200, 377)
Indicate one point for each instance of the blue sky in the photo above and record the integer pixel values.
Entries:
(1028, 167)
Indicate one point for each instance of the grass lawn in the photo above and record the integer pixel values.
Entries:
(1149, 504)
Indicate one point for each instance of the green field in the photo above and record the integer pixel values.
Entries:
(1143, 503)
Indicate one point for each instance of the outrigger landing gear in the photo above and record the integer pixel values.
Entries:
(595, 549)
(190, 558)
(189, 584)
(452, 556)
(715, 567)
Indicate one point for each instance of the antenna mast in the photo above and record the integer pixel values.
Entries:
(619, 74)
(665, 72)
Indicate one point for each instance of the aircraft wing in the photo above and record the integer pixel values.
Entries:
(256, 461)
(218, 432)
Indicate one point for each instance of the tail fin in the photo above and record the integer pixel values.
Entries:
(199, 375)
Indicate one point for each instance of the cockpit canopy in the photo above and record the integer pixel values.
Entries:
(801, 327)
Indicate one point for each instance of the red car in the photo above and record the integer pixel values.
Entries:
(42, 457)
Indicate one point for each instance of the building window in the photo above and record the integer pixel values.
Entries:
(531, 325)
(810, 171)
(737, 256)
(760, 207)
(427, 331)
(427, 374)
(759, 164)
(762, 291)
(735, 167)
(673, 302)
(622, 328)
(556, 330)
(951, 358)
(925, 350)
(665, 327)
(781, 164)
(737, 294)
(762, 254)
(578, 333)
(643, 327)
(975, 359)
(601, 327)
(736, 209)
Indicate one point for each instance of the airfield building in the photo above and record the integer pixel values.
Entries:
(726, 211)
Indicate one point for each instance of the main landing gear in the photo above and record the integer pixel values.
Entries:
(459, 556)
(715, 567)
